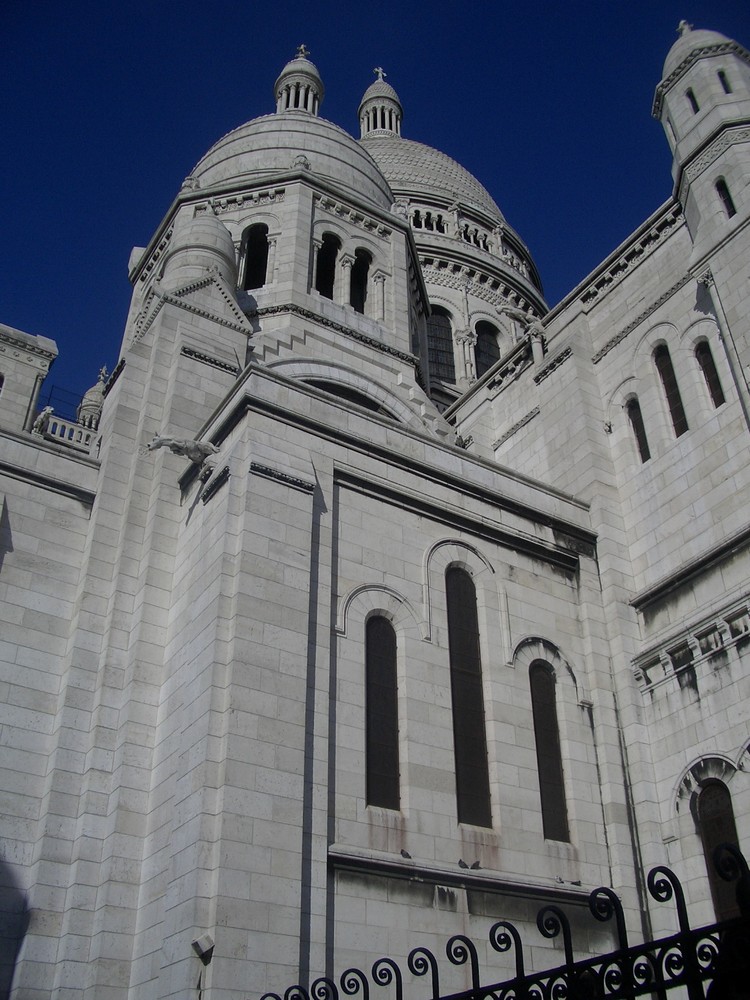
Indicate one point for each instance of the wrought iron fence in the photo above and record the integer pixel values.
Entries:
(708, 963)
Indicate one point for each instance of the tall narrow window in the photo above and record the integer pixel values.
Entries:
(692, 101)
(382, 764)
(487, 350)
(256, 256)
(706, 361)
(724, 82)
(360, 273)
(671, 391)
(726, 199)
(548, 756)
(325, 272)
(633, 410)
(440, 345)
(716, 825)
(469, 741)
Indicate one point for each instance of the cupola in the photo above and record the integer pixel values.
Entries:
(380, 110)
(90, 408)
(200, 242)
(299, 87)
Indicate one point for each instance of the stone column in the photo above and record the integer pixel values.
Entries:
(271, 262)
(342, 289)
(379, 281)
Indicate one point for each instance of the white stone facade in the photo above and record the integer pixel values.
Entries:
(183, 652)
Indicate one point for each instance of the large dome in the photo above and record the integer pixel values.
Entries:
(413, 169)
(275, 143)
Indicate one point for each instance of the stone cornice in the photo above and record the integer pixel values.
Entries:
(207, 359)
(339, 209)
(552, 365)
(619, 337)
(314, 317)
(53, 484)
(516, 427)
(689, 570)
(729, 135)
(637, 249)
(266, 472)
(434, 873)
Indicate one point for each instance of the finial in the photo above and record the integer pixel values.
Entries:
(302, 51)
(683, 27)
(380, 72)
(103, 374)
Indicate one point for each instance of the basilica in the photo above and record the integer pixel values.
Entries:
(368, 600)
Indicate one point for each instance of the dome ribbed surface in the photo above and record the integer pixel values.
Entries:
(269, 145)
(413, 169)
(380, 89)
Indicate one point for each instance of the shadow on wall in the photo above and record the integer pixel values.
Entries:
(14, 921)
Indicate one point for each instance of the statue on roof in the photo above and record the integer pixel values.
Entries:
(683, 27)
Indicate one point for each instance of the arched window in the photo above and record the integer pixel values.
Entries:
(360, 272)
(381, 708)
(633, 410)
(548, 756)
(325, 272)
(692, 101)
(726, 199)
(256, 256)
(716, 825)
(2, 381)
(487, 349)
(469, 741)
(724, 82)
(440, 345)
(663, 363)
(706, 361)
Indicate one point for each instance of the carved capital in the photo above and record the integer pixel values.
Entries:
(346, 261)
(465, 337)
(705, 278)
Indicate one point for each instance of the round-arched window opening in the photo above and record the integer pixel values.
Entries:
(487, 350)
(440, 345)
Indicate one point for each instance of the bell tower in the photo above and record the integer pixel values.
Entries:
(703, 103)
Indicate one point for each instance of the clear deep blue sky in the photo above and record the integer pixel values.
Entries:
(106, 108)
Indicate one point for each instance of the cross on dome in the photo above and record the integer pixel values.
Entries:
(302, 51)
(683, 27)
(380, 72)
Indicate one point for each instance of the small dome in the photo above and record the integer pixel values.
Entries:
(378, 90)
(299, 86)
(269, 146)
(690, 41)
(380, 109)
(198, 243)
(415, 170)
(90, 408)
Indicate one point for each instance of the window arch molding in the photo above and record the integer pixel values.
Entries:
(377, 599)
(310, 369)
(622, 436)
(710, 767)
(652, 397)
(533, 647)
(704, 331)
(455, 552)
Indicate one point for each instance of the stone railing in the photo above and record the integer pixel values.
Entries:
(70, 433)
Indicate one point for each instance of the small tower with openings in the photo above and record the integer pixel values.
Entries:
(703, 102)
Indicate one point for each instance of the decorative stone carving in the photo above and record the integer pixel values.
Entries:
(196, 451)
(42, 421)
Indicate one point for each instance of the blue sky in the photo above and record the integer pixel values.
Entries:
(106, 109)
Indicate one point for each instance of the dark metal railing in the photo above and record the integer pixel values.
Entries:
(708, 963)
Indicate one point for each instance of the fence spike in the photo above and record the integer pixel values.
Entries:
(663, 885)
(459, 949)
(551, 920)
(604, 903)
(354, 980)
(385, 971)
(501, 935)
(420, 961)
